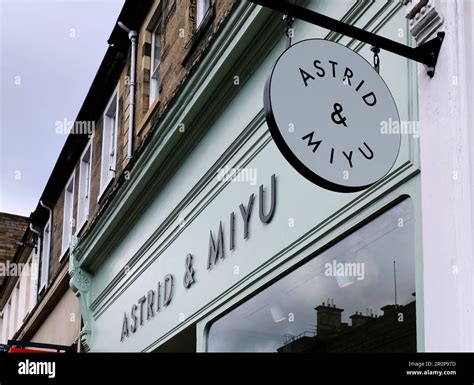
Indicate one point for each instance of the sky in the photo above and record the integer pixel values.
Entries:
(50, 52)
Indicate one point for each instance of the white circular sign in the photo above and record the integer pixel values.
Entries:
(325, 106)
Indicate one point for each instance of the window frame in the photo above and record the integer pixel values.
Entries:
(64, 246)
(82, 221)
(8, 331)
(113, 103)
(16, 290)
(14, 297)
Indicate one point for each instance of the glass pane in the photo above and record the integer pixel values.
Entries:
(156, 50)
(202, 7)
(155, 64)
(113, 123)
(357, 296)
(45, 255)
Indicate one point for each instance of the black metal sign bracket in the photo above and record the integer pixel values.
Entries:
(426, 53)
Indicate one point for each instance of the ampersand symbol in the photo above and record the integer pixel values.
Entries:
(337, 114)
(188, 279)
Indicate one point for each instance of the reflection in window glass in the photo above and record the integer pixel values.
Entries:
(357, 296)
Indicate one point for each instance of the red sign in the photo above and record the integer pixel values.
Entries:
(14, 349)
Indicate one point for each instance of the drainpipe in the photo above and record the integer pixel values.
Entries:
(50, 210)
(132, 35)
(33, 230)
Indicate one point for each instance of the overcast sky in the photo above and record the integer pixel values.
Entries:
(50, 52)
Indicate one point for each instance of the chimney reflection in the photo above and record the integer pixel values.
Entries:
(392, 331)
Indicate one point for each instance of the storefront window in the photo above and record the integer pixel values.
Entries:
(357, 296)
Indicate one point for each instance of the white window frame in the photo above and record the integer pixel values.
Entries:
(155, 72)
(8, 329)
(2, 340)
(202, 7)
(84, 197)
(13, 311)
(16, 298)
(28, 287)
(5, 323)
(45, 256)
(23, 294)
(34, 279)
(68, 230)
(108, 164)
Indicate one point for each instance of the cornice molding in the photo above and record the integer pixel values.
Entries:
(424, 19)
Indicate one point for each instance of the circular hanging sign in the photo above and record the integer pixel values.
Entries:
(325, 106)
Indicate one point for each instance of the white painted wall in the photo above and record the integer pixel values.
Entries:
(63, 323)
(447, 178)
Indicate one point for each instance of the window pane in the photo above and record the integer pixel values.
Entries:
(45, 256)
(68, 217)
(87, 171)
(201, 10)
(155, 64)
(156, 51)
(109, 142)
(358, 295)
(113, 124)
(84, 186)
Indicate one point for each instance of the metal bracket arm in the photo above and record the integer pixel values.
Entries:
(426, 53)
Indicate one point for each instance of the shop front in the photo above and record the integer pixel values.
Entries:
(217, 243)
